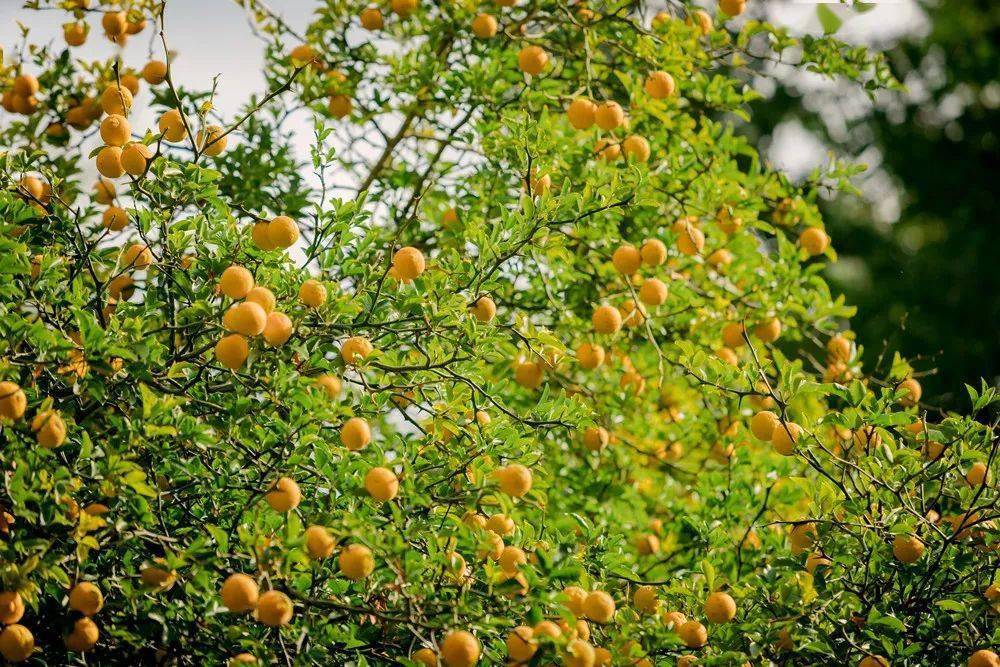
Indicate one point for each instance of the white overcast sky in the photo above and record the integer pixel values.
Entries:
(213, 37)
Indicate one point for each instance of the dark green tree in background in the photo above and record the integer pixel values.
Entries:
(926, 284)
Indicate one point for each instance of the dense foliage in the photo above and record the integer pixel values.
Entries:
(918, 282)
(531, 363)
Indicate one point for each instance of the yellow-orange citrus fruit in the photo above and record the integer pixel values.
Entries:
(236, 282)
(155, 72)
(609, 115)
(762, 425)
(245, 318)
(232, 351)
(606, 319)
(371, 18)
(484, 309)
(239, 593)
(109, 162)
(484, 26)
(653, 292)
(13, 401)
(515, 479)
(590, 356)
(785, 436)
(16, 643)
(86, 598)
(312, 293)
(11, 607)
(693, 634)
(355, 433)
(659, 85)
(814, 241)
(626, 259)
(595, 438)
(278, 329)
(115, 130)
(356, 349)
(720, 607)
(381, 484)
(654, 252)
(409, 263)
(581, 113)
(212, 140)
(636, 148)
(84, 635)
(282, 232)
(356, 561)
(319, 542)
(284, 495)
(599, 607)
(275, 609)
(907, 548)
(460, 649)
(171, 126)
(532, 60)
(116, 100)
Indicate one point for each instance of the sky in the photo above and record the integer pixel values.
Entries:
(214, 37)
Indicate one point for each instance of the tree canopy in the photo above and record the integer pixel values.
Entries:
(531, 361)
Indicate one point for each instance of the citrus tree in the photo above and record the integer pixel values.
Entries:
(528, 361)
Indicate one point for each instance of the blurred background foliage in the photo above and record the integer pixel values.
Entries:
(918, 252)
